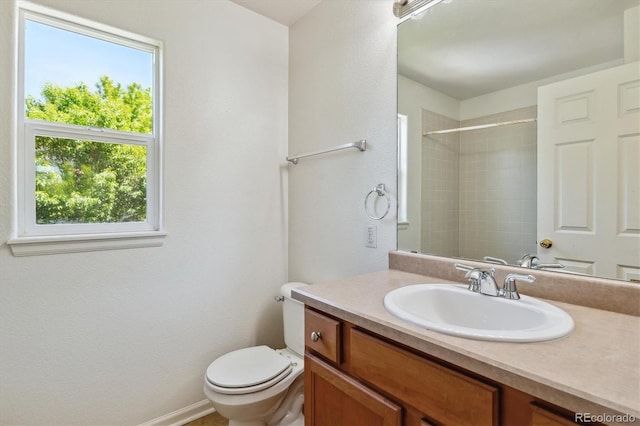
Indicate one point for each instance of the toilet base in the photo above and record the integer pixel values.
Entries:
(299, 421)
(246, 423)
(290, 411)
(291, 405)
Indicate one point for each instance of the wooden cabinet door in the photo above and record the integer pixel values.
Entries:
(331, 398)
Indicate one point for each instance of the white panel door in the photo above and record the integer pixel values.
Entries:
(588, 172)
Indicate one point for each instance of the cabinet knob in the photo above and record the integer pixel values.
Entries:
(316, 335)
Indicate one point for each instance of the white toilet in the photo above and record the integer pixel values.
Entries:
(259, 385)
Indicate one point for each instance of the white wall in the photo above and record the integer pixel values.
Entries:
(521, 96)
(342, 89)
(631, 34)
(122, 337)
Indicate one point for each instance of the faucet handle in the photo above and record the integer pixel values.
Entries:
(509, 289)
(463, 267)
(550, 266)
(496, 260)
(469, 268)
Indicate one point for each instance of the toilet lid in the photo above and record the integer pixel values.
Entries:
(255, 367)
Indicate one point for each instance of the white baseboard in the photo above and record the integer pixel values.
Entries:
(183, 415)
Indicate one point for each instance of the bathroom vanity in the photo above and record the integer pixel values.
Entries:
(364, 366)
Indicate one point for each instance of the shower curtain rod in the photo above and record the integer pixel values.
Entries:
(481, 126)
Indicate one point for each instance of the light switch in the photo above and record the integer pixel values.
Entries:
(372, 236)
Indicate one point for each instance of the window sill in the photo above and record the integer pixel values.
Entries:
(39, 246)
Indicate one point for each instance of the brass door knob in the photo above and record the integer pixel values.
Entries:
(546, 243)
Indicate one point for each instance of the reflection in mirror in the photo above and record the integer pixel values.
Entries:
(522, 134)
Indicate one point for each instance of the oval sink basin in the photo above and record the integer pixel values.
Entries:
(452, 309)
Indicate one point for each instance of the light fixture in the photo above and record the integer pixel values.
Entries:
(406, 9)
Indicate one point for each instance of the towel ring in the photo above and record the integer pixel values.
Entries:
(380, 192)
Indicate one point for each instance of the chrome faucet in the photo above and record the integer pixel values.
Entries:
(483, 282)
(529, 261)
(532, 261)
(480, 280)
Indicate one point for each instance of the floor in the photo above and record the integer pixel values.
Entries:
(213, 419)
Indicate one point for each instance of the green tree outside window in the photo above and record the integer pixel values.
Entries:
(84, 181)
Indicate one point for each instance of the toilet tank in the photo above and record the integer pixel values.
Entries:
(293, 319)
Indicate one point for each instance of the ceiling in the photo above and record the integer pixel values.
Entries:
(466, 48)
(286, 12)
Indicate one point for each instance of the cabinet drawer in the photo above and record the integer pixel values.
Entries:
(542, 417)
(444, 395)
(322, 335)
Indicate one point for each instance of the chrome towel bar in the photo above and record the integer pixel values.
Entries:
(360, 145)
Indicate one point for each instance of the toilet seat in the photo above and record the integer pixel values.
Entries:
(247, 370)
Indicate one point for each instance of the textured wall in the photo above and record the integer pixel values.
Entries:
(342, 88)
(122, 337)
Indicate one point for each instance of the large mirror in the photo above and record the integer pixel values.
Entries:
(518, 133)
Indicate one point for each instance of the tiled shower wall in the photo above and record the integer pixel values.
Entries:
(498, 187)
(479, 187)
(440, 186)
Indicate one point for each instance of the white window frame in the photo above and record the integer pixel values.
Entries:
(403, 179)
(30, 238)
